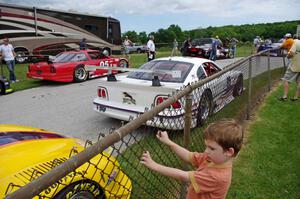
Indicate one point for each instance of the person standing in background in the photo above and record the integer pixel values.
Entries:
(126, 44)
(175, 47)
(151, 48)
(82, 44)
(256, 44)
(186, 46)
(214, 47)
(233, 44)
(8, 54)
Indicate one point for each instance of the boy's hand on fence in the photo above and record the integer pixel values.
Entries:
(147, 160)
(163, 137)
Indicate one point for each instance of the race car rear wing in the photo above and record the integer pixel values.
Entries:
(155, 79)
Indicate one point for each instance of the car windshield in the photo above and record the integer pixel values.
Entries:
(7, 138)
(70, 57)
(163, 65)
(202, 41)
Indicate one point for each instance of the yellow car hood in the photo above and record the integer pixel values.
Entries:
(20, 161)
(18, 156)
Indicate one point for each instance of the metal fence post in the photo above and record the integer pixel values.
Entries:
(249, 89)
(269, 72)
(186, 138)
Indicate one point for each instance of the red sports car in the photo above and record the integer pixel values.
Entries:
(69, 66)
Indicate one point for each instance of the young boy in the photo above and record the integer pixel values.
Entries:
(212, 177)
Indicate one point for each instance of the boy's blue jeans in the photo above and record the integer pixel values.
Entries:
(11, 68)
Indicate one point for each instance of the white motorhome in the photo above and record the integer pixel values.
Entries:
(34, 30)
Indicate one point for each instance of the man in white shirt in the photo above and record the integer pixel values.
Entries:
(256, 43)
(8, 54)
(151, 48)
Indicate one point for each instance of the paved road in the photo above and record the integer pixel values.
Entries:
(67, 109)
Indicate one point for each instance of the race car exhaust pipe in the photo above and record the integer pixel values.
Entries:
(111, 78)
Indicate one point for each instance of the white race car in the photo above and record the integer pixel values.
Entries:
(134, 93)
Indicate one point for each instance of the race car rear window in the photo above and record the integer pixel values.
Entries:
(70, 57)
(160, 66)
(11, 137)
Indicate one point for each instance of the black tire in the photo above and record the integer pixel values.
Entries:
(204, 108)
(80, 74)
(138, 50)
(230, 54)
(86, 189)
(2, 88)
(21, 56)
(124, 63)
(238, 87)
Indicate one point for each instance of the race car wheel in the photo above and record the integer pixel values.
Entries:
(124, 63)
(2, 88)
(238, 87)
(230, 54)
(80, 74)
(21, 56)
(82, 190)
(204, 108)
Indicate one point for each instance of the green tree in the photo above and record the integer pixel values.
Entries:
(142, 37)
(243, 33)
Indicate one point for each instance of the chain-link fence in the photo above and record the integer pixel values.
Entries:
(93, 173)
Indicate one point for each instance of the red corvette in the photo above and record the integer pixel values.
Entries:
(69, 66)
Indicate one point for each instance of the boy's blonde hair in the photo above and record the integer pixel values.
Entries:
(227, 133)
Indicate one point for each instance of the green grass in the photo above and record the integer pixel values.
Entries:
(26, 83)
(268, 165)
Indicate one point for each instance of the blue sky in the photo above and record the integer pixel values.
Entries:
(152, 15)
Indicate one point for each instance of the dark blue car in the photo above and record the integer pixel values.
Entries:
(277, 52)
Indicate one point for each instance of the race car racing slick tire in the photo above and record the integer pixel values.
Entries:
(204, 108)
(124, 63)
(80, 74)
(86, 189)
(238, 87)
(21, 56)
(2, 88)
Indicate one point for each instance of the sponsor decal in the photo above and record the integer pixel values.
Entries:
(111, 177)
(105, 64)
(128, 99)
(84, 186)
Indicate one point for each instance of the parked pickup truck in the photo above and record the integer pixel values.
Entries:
(137, 48)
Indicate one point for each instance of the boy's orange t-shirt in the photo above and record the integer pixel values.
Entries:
(209, 180)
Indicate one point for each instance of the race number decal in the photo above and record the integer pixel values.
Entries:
(104, 63)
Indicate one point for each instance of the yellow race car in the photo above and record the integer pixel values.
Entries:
(26, 153)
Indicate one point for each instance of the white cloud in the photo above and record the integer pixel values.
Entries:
(138, 15)
(227, 8)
